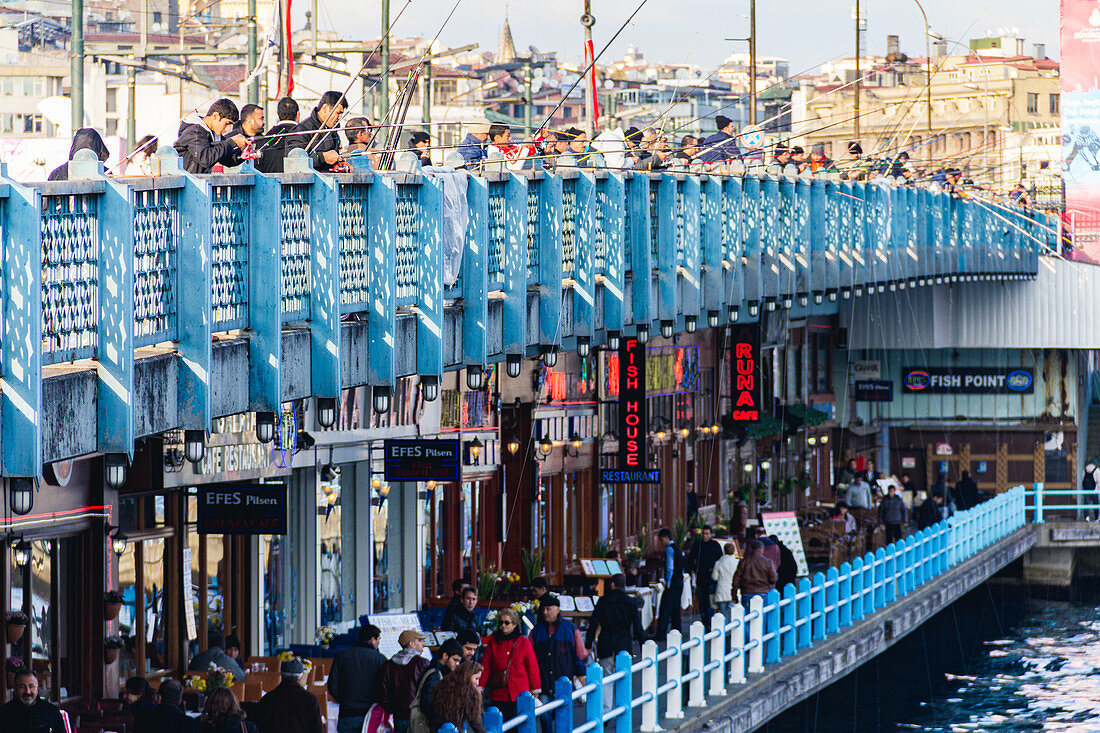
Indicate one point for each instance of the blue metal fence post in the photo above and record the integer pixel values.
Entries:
(832, 600)
(639, 258)
(710, 226)
(869, 584)
(771, 627)
(525, 708)
(804, 606)
(891, 572)
(880, 578)
(818, 607)
(563, 716)
(549, 265)
(750, 243)
(594, 703)
(584, 244)
(382, 315)
(115, 322)
(610, 199)
(194, 301)
(733, 288)
(493, 721)
(624, 693)
(475, 274)
(1037, 488)
(21, 331)
(689, 281)
(664, 212)
(429, 286)
(855, 596)
(324, 290)
(514, 269)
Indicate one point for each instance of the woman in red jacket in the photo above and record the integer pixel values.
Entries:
(510, 665)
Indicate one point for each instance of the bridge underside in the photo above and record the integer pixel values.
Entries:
(767, 695)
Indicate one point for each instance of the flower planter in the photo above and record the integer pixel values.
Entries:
(110, 656)
(111, 610)
(15, 632)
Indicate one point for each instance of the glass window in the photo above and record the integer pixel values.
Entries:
(380, 514)
(42, 620)
(112, 99)
(1033, 103)
(274, 550)
(330, 553)
(153, 603)
(1055, 104)
(127, 585)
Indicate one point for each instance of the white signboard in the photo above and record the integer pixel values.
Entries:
(871, 369)
(784, 525)
(392, 624)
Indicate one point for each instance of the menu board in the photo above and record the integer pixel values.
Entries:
(784, 525)
(392, 624)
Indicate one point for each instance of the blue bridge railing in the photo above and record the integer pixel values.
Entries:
(767, 634)
(548, 262)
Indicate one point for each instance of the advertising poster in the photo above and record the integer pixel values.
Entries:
(1080, 110)
(784, 525)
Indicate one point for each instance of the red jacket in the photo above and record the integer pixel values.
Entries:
(523, 674)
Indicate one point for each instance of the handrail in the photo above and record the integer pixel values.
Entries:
(768, 632)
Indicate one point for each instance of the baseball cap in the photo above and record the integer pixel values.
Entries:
(408, 636)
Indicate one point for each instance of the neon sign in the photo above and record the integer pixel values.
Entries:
(745, 381)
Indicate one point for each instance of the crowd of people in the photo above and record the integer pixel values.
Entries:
(225, 137)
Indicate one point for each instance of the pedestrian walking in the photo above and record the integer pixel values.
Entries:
(554, 641)
(398, 678)
(967, 495)
(892, 514)
(222, 714)
(1090, 484)
(615, 624)
(422, 713)
(353, 679)
(668, 615)
(940, 487)
(722, 575)
(458, 698)
(471, 644)
(700, 561)
(168, 716)
(930, 512)
(510, 665)
(289, 708)
(859, 494)
(787, 571)
(26, 712)
(755, 574)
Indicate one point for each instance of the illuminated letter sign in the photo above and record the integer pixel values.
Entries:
(745, 382)
(633, 466)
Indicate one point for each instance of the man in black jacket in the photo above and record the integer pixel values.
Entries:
(200, 144)
(447, 659)
(614, 626)
(167, 717)
(668, 615)
(461, 617)
(930, 512)
(273, 148)
(315, 134)
(28, 713)
(702, 556)
(353, 678)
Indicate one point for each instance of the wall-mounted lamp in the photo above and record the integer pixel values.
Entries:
(643, 333)
(381, 401)
(115, 466)
(685, 431)
(691, 323)
(549, 355)
(475, 376)
(733, 313)
(824, 439)
(666, 329)
(326, 411)
(474, 446)
(765, 465)
(748, 467)
(194, 445)
(21, 494)
(811, 440)
(754, 309)
(584, 345)
(613, 340)
(513, 446)
(546, 447)
(21, 553)
(514, 365)
(119, 540)
(265, 426)
(429, 386)
(712, 319)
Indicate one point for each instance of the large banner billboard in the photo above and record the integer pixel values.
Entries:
(1080, 110)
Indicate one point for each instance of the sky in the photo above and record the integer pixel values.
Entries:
(807, 32)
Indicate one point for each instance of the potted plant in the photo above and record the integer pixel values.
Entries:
(17, 624)
(324, 636)
(112, 604)
(13, 665)
(111, 647)
(532, 563)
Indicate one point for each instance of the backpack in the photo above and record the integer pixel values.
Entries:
(418, 718)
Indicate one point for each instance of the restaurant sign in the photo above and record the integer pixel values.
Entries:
(746, 386)
(968, 380)
(633, 460)
(423, 460)
(242, 509)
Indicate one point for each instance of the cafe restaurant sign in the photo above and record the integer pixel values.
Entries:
(633, 458)
(746, 386)
(423, 460)
(968, 380)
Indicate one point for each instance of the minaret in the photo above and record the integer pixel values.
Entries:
(506, 51)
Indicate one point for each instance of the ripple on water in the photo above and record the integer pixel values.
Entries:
(1046, 677)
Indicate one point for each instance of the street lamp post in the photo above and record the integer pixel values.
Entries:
(927, 77)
